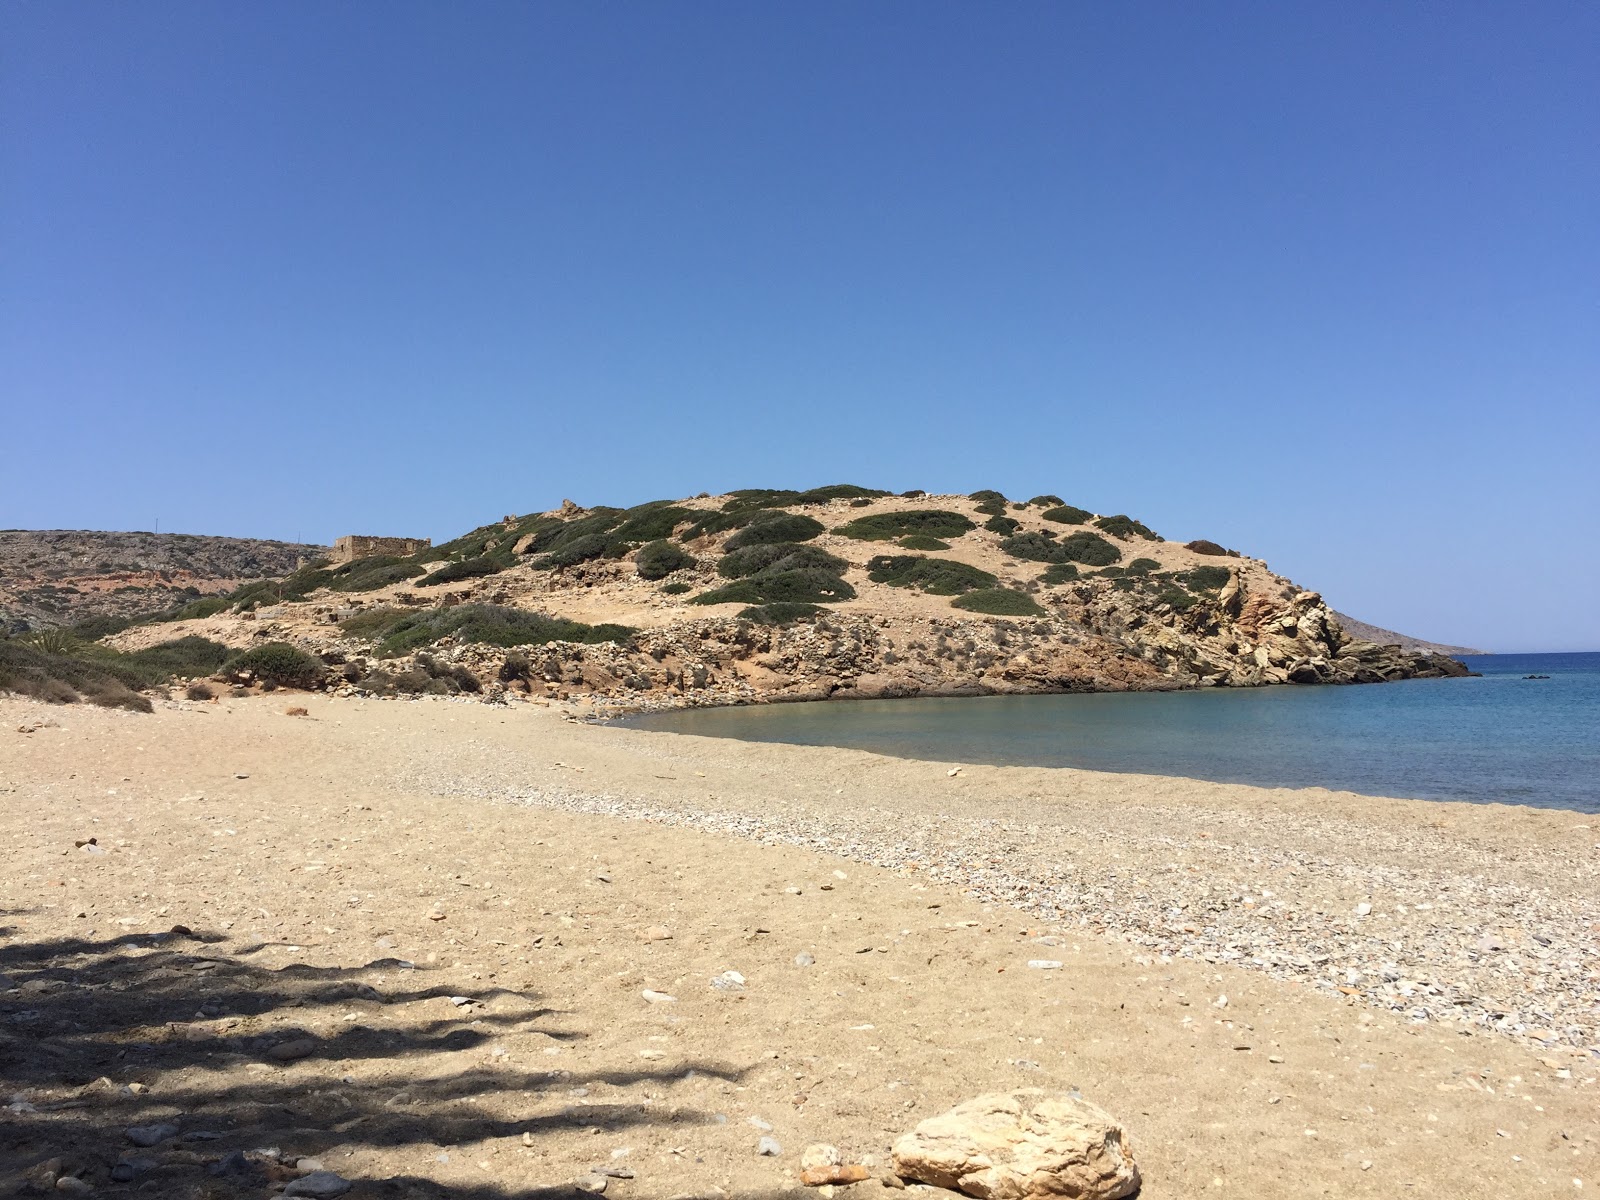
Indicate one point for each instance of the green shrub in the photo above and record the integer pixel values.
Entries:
(650, 522)
(1004, 526)
(774, 528)
(657, 560)
(184, 658)
(838, 491)
(492, 625)
(94, 628)
(1143, 566)
(781, 613)
(998, 602)
(1059, 573)
(921, 541)
(1205, 546)
(778, 556)
(373, 623)
(1206, 579)
(883, 527)
(987, 496)
(370, 574)
(1049, 501)
(913, 494)
(193, 611)
(56, 678)
(577, 550)
(1067, 514)
(1088, 548)
(199, 691)
(467, 568)
(716, 522)
(1125, 527)
(1179, 599)
(676, 589)
(936, 576)
(277, 663)
(808, 586)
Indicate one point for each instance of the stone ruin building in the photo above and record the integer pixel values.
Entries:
(354, 545)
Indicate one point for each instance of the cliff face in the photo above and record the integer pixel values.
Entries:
(53, 577)
(764, 597)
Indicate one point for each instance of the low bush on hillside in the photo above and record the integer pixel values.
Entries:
(370, 574)
(657, 560)
(998, 602)
(466, 568)
(197, 609)
(677, 589)
(987, 496)
(92, 629)
(839, 491)
(1046, 501)
(773, 528)
(808, 586)
(781, 613)
(1004, 526)
(58, 678)
(1206, 579)
(936, 576)
(1087, 548)
(1179, 599)
(489, 624)
(1125, 527)
(184, 658)
(921, 541)
(778, 556)
(883, 527)
(1067, 514)
(276, 663)
(373, 623)
(1059, 573)
(1205, 546)
(913, 494)
(1143, 566)
(650, 522)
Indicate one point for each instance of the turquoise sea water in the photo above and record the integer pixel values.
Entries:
(1501, 737)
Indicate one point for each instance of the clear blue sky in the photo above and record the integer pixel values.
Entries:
(1319, 281)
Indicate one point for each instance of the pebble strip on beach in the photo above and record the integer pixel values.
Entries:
(1435, 939)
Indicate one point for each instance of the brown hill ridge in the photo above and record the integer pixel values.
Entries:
(52, 577)
(839, 592)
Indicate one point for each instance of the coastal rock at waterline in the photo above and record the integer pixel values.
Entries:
(1023, 1145)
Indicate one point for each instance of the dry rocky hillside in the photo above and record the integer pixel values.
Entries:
(838, 592)
(1388, 637)
(53, 577)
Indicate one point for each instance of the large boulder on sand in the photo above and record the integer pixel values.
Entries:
(1022, 1145)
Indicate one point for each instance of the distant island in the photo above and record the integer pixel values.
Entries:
(752, 596)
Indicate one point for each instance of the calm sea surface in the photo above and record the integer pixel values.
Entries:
(1499, 738)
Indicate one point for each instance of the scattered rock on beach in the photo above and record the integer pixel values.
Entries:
(151, 1135)
(1021, 1145)
(293, 1050)
(320, 1185)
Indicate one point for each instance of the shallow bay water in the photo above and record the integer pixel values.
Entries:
(1499, 738)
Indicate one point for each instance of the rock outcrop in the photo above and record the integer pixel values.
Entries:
(1022, 1145)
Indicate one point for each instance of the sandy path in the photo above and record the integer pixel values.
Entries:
(380, 834)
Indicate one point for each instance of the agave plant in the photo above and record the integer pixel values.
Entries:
(51, 641)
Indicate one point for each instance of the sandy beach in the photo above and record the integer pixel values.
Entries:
(453, 949)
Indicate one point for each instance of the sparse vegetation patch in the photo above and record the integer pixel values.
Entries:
(774, 528)
(937, 576)
(808, 586)
(998, 602)
(1084, 547)
(1067, 514)
(778, 556)
(1125, 527)
(658, 559)
(883, 527)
